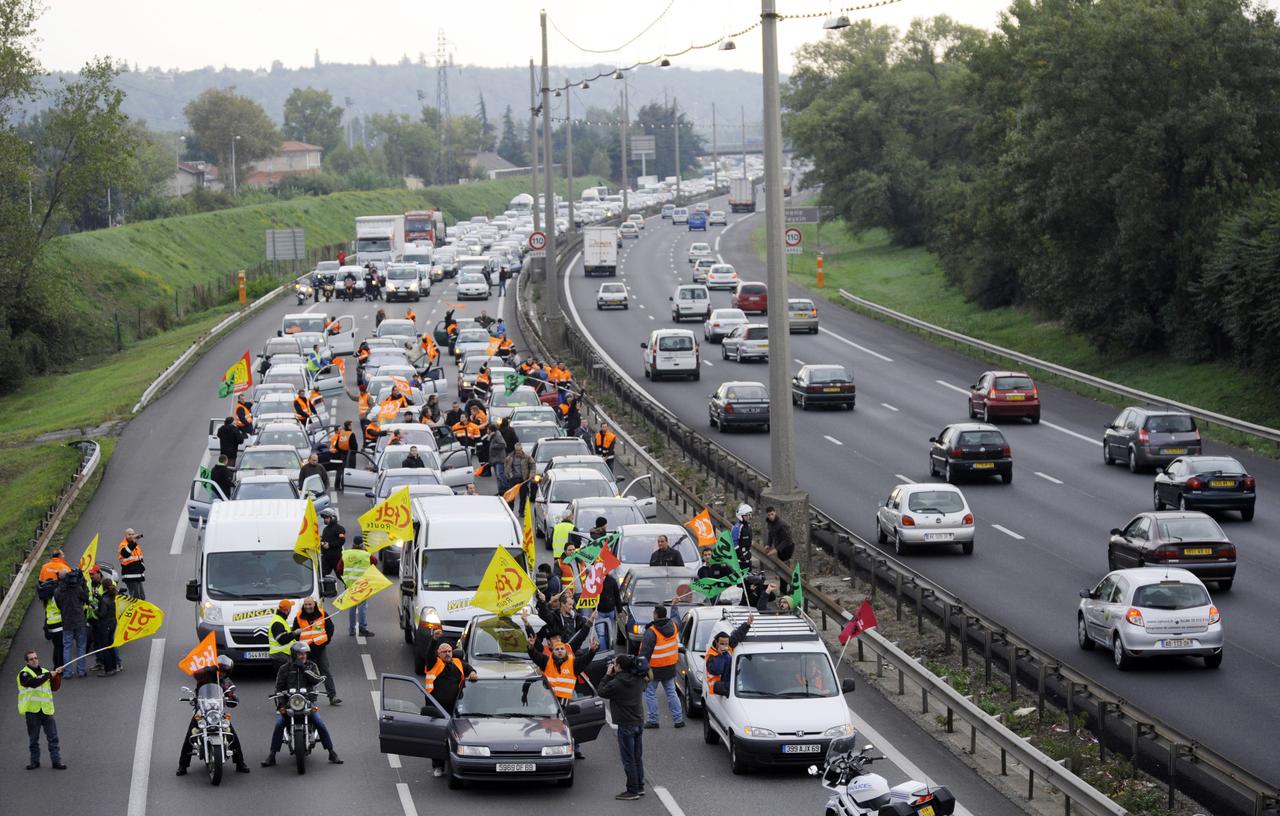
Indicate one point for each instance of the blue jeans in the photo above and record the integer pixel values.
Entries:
(277, 736)
(602, 631)
(631, 748)
(673, 700)
(359, 610)
(499, 473)
(73, 649)
(35, 722)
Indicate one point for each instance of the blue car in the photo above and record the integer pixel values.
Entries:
(698, 221)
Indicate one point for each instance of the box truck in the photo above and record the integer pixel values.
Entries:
(600, 250)
(742, 195)
(379, 239)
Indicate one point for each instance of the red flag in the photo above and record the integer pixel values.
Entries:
(864, 620)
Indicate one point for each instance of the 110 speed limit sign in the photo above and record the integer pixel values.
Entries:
(792, 237)
(538, 244)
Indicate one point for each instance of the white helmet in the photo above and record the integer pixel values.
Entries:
(744, 510)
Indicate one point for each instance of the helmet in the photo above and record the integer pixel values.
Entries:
(298, 648)
(225, 664)
(744, 510)
(327, 513)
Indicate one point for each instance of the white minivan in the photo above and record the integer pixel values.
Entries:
(690, 300)
(245, 566)
(672, 352)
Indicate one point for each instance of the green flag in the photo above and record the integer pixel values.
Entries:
(590, 552)
(797, 590)
(511, 382)
(723, 551)
(712, 587)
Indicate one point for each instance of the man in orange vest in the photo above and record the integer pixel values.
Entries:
(604, 441)
(132, 569)
(444, 676)
(302, 407)
(719, 658)
(243, 416)
(410, 314)
(372, 432)
(316, 630)
(661, 646)
(57, 563)
(342, 451)
(561, 669)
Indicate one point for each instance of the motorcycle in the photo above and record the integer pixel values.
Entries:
(211, 737)
(857, 792)
(327, 289)
(299, 733)
(302, 292)
(349, 289)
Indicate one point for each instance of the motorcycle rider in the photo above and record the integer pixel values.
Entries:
(220, 674)
(298, 673)
(349, 285)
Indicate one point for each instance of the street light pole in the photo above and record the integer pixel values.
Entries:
(568, 154)
(551, 298)
(235, 185)
(675, 122)
(626, 125)
(715, 152)
(782, 493)
(533, 147)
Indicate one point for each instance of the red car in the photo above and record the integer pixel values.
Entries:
(751, 297)
(1004, 394)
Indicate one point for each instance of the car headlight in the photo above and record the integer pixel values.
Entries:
(474, 750)
(429, 616)
(558, 750)
(211, 613)
(838, 731)
(636, 628)
(752, 731)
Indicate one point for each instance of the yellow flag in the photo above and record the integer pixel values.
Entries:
(365, 587)
(530, 554)
(388, 521)
(237, 379)
(135, 620)
(89, 556)
(505, 586)
(702, 528)
(308, 543)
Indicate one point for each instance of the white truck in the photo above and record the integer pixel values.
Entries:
(600, 250)
(379, 239)
(742, 195)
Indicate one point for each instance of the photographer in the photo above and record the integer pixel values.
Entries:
(624, 688)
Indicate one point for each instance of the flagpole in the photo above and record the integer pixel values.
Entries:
(85, 655)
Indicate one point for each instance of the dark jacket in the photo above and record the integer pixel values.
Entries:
(722, 664)
(780, 538)
(714, 571)
(624, 691)
(742, 540)
(670, 557)
(413, 462)
(222, 476)
(71, 596)
(333, 537)
(308, 470)
(297, 675)
(610, 596)
(229, 439)
(508, 436)
(667, 627)
(448, 682)
(497, 448)
(209, 675)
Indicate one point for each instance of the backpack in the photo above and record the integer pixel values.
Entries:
(640, 665)
(45, 589)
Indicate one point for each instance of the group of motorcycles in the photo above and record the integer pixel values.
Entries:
(323, 285)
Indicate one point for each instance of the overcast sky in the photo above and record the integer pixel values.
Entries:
(251, 33)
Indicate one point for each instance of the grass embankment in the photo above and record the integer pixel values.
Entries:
(910, 280)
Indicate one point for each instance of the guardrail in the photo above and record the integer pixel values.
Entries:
(1232, 423)
(1118, 724)
(49, 526)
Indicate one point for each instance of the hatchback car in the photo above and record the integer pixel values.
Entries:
(668, 210)
(717, 218)
(697, 221)
(628, 230)
(700, 249)
(1192, 541)
(1150, 612)
(611, 296)
(722, 276)
(721, 323)
(735, 404)
(1207, 483)
(823, 385)
(1004, 395)
(749, 342)
(560, 486)
(1150, 437)
(751, 297)
(802, 316)
(700, 269)
(637, 219)
(472, 285)
(918, 514)
(970, 449)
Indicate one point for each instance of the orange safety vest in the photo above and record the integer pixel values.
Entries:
(484, 377)
(334, 327)
(665, 649)
(340, 441)
(434, 672)
(301, 408)
(506, 345)
(410, 315)
(49, 571)
(363, 403)
(605, 441)
(363, 354)
(562, 679)
(313, 631)
(315, 399)
(371, 432)
(479, 417)
(451, 329)
(712, 679)
(243, 417)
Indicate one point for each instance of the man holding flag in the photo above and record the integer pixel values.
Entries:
(355, 563)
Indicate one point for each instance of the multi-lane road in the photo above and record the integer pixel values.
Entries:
(121, 735)
(1040, 539)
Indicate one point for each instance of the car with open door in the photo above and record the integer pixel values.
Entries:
(453, 464)
(489, 639)
(204, 493)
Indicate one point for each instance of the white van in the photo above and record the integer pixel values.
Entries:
(785, 702)
(691, 300)
(244, 567)
(672, 352)
(441, 568)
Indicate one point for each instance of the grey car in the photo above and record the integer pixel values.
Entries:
(1148, 612)
(920, 514)
(1150, 437)
(802, 316)
(739, 403)
(749, 342)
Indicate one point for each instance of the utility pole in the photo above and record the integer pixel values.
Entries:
(744, 142)
(675, 123)
(783, 492)
(568, 153)
(551, 300)
(715, 152)
(235, 187)
(533, 147)
(626, 125)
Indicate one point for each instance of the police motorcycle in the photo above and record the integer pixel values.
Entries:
(211, 736)
(858, 792)
(300, 734)
(302, 290)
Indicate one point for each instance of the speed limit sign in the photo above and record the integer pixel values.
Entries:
(792, 237)
(538, 244)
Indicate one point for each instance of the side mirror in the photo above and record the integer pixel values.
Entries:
(193, 591)
(279, 333)
(407, 586)
(671, 299)
(644, 345)
(328, 588)
(572, 708)
(1086, 593)
(1110, 427)
(933, 439)
(846, 685)
(1116, 531)
(368, 494)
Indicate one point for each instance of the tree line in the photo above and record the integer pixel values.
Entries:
(1111, 164)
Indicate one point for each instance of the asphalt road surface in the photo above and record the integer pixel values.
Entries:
(121, 735)
(1040, 540)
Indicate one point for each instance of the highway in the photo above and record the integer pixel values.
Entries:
(1040, 540)
(121, 735)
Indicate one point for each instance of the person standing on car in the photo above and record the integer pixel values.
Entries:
(332, 538)
(35, 704)
(661, 647)
(133, 570)
(444, 676)
(229, 439)
(742, 537)
(298, 673)
(623, 687)
(315, 629)
(355, 562)
(71, 596)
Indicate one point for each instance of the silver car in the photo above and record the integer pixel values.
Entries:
(1150, 611)
(919, 514)
(802, 316)
(611, 295)
(716, 219)
(721, 323)
(700, 249)
(700, 269)
(749, 342)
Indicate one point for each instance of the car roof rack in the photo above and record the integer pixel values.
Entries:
(771, 626)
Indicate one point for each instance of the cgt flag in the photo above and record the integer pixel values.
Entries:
(89, 555)
(203, 656)
(592, 578)
(308, 543)
(135, 620)
(388, 521)
(510, 382)
(237, 379)
(506, 585)
(702, 528)
(530, 553)
(864, 620)
(364, 588)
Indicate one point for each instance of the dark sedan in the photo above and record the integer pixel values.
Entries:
(1205, 483)
(970, 449)
(642, 589)
(1187, 540)
(823, 385)
(739, 403)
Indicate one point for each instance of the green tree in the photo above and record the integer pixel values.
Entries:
(486, 127)
(409, 148)
(510, 146)
(310, 116)
(659, 121)
(216, 117)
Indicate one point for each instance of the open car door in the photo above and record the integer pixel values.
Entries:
(214, 424)
(313, 486)
(328, 381)
(585, 712)
(361, 477)
(648, 503)
(440, 334)
(344, 342)
(410, 721)
(456, 469)
(201, 498)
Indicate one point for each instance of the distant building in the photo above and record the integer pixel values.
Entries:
(293, 158)
(190, 176)
(490, 163)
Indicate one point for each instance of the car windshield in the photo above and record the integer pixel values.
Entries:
(395, 459)
(529, 697)
(752, 289)
(294, 379)
(636, 548)
(534, 413)
(1187, 529)
(528, 434)
(801, 305)
(266, 490)
(746, 393)
(396, 328)
(935, 501)
(549, 450)
(460, 570)
(1014, 384)
(566, 490)
(373, 245)
(292, 437)
(1171, 423)
(1216, 464)
(832, 374)
(615, 515)
(785, 675)
(471, 277)
(613, 289)
(1171, 596)
(473, 335)
(402, 273)
(281, 345)
(303, 323)
(394, 483)
(976, 439)
(728, 314)
(676, 343)
(758, 333)
(493, 637)
(262, 460)
(257, 575)
(661, 589)
(525, 397)
(281, 403)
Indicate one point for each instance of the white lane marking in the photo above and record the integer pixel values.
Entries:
(361, 640)
(875, 354)
(1048, 478)
(179, 532)
(651, 317)
(708, 364)
(946, 384)
(377, 702)
(904, 479)
(393, 760)
(897, 757)
(833, 440)
(369, 673)
(406, 799)
(668, 801)
(798, 361)
(141, 777)
(1008, 532)
(1070, 432)
(890, 407)
(641, 305)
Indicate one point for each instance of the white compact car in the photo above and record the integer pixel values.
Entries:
(700, 249)
(921, 514)
(1149, 612)
(611, 296)
(473, 286)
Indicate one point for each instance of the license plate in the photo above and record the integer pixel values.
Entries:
(1015, 397)
(1221, 483)
(256, 655)
(1176, 644)
(1174, 450)
(516, 767)
(802, 749)
(1197, 551)
(927, 810)
(764, 345)
(984, 465)
(835, 390)
(939, 536)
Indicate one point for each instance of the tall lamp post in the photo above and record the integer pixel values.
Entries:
(235, 184)
(551, 297)
(626, 125)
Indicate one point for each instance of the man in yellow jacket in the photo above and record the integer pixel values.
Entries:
(35, 704)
